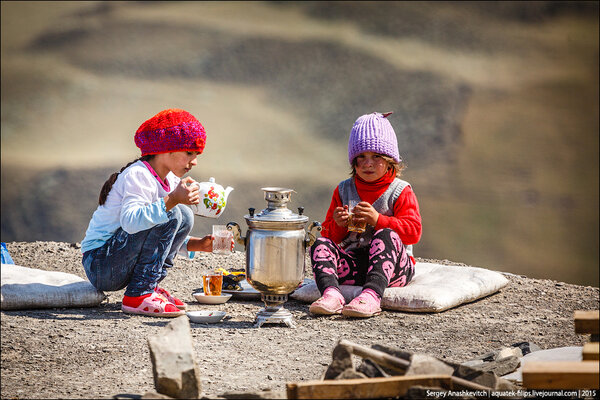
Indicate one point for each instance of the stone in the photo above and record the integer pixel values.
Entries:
(502, 366)
(422, 364)
(485, 378)
(372, 370)
(481, 372)
(176, 373)
(405, 355)
(517, 349)
(509, 352)
(341, 361)
(526, 347)
(474, 363)
(499, 366)
(476, 375)
(491, 356)
(350, 373)
(402, 354)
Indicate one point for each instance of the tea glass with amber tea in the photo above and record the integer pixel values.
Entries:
(212, 283)
(353, 226)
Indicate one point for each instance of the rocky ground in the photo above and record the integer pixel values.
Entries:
(101, 352)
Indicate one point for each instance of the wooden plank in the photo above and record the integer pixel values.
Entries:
(369, 388)
(586, 322)
(560, 375)
(590, 351)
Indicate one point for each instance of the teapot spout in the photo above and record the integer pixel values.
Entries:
(227, 191)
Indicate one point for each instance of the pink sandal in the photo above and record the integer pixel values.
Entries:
(178, 303)
(154, 305)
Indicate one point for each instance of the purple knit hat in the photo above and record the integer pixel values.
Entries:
(373, 132)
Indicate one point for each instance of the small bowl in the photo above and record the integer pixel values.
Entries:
(204, 299)
(206, 316)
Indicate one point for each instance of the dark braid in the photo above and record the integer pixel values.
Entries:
(113, 178)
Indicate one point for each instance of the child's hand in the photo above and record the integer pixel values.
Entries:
(191, 190)
(201, 244)
(185, 193)
(364, 211)
(340, 216)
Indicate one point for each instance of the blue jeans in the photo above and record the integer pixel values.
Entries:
(138, 261)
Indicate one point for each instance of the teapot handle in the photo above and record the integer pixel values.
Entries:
(237, 233)
(310, 236)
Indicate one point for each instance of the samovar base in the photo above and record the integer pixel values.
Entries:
(274, 315)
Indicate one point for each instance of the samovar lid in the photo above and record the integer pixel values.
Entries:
(277, 211)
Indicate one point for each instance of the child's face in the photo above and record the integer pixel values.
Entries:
(370, 166)
(181, 162)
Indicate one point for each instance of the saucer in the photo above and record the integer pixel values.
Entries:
(202, 298)
(206, 316)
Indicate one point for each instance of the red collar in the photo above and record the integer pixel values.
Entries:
(378, 185)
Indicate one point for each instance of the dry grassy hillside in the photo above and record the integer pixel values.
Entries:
(496, 112)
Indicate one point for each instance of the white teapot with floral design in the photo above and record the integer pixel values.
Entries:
(213, 199)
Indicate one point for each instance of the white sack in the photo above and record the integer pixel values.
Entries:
(28, 288)
(434, 288)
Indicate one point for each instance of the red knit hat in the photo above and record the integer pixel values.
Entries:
(170, 130)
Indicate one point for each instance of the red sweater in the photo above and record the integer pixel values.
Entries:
(406, 221)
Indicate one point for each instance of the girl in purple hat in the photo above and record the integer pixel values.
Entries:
(141, 223)
(381, 256)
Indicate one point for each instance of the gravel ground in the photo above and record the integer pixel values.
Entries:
(101, 352)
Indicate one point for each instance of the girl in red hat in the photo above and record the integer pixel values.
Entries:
(141, 222)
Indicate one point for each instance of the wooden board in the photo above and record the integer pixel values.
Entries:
(370, 388)
(590, 351)
(586, 322)
(560, 375)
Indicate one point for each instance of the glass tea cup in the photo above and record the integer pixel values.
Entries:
(222, 239)
(354, 226)
(212, 283)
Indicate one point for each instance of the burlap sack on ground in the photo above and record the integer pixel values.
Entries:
(434, 288)
(28, 288)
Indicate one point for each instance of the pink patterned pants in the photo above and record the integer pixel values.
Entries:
(383, 263)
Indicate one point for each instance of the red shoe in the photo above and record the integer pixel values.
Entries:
(178, 303)
(153, 305)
